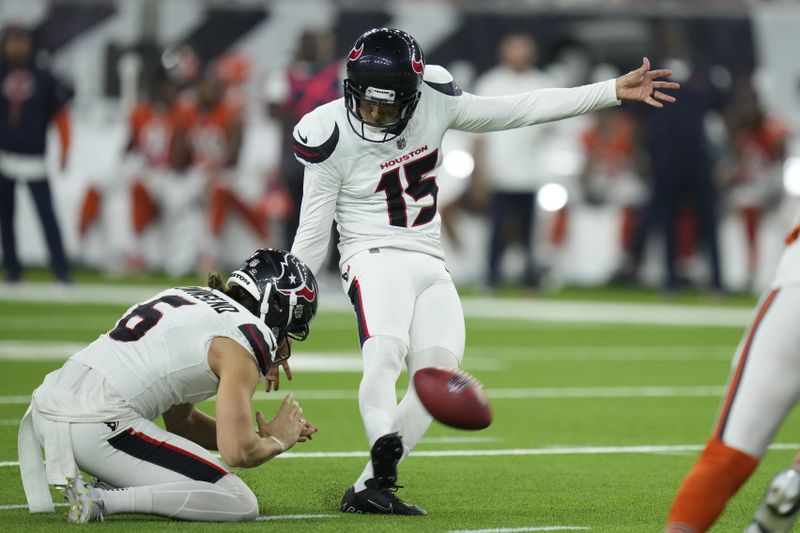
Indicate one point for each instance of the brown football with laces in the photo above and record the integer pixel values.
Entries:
(453, 397)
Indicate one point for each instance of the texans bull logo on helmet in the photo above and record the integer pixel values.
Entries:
(418, 66)
(283, 287)
(355, 53)
(293, 279)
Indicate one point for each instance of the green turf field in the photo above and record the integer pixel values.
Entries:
(569, 397)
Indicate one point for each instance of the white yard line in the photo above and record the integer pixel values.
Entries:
(605, 312)
(39, 350)
(348, 362)
(22, 399)
(538, 310)
(516, 529)
(555, 450)
(701, 391)
(485, 358)
(602, 353)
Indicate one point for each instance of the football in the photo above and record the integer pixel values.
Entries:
(453, 397)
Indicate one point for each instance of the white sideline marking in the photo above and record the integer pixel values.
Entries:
(294, 516)
(699, 391)
(555, 450)
(522, 310)
(515, 529)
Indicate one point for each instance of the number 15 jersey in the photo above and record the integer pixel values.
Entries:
(383, 194)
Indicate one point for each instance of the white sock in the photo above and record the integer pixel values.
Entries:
(227, 500)
(411, 418)
(360, 483)
(377, 397)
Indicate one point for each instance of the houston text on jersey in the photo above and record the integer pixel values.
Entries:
(404, 157)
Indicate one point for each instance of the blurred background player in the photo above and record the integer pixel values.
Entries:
(753, 172)
(31, 97)
(313, 78)
(215, 140)
(682, 194)
(511, 165)
(763, 388)
(612, 172)
(162, 189)
(182, 346)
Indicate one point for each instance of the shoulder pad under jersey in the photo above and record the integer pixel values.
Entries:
(439, 79)
(316, 135)
(261, 344)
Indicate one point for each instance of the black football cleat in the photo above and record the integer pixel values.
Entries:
(376, 499)
(379, 496)
(386, 453)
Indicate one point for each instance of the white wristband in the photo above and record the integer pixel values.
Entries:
(276, 439)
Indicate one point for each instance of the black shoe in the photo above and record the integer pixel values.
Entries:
(386, 453)
(376, 499)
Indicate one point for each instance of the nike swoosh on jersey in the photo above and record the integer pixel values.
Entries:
(317, 154)
(381, 507)
(304, 139)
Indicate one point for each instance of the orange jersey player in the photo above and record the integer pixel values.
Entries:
(764, 387)
(215, 131)
(755, 176)
(215, 140)
(156, 130)
(610, 173)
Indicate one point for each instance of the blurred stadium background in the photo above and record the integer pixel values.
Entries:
(114, 54)
(600, 406)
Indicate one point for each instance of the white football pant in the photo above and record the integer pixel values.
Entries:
(156, 472)
(765, 378)
(408, 311)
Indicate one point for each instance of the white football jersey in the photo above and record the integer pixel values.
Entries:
(385, 194)
(157, 355)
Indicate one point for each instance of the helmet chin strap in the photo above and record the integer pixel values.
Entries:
(292, 305)
(264, 307)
